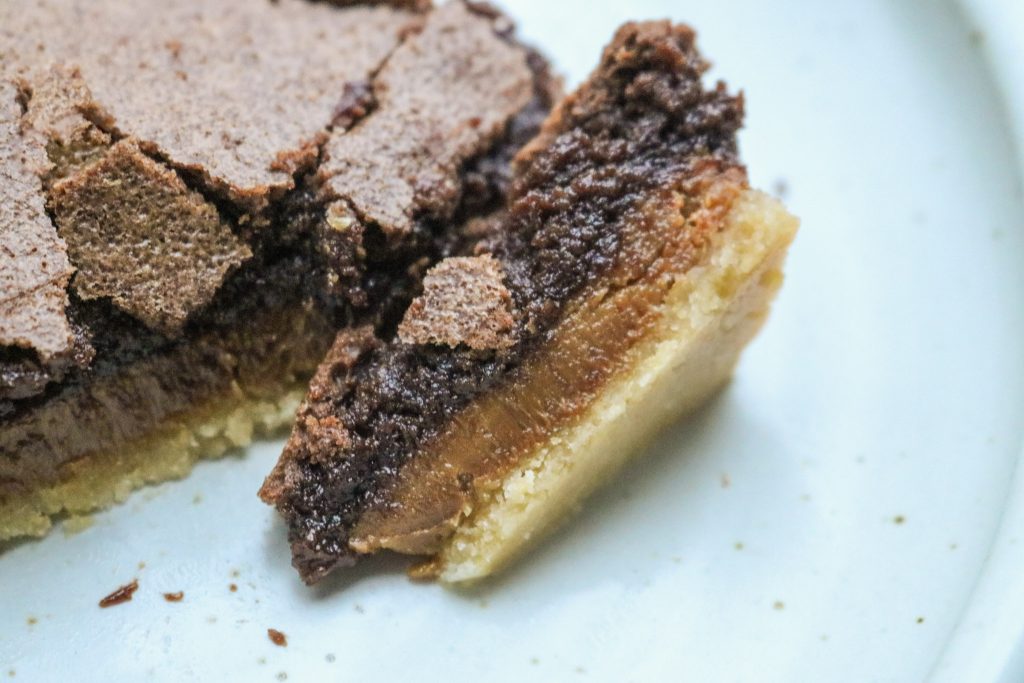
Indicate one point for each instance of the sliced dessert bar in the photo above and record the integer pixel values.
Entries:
(629, 267)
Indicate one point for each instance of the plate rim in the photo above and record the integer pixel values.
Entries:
(987, 644)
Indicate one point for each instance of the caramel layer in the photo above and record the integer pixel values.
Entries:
(486, 441)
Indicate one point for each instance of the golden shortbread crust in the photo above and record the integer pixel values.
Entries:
(710, 314)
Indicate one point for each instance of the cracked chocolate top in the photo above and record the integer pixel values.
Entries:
(642, 125)
(169, 138)
(237, 92)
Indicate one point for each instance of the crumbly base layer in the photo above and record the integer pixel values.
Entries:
(101, 479)
(710, 315)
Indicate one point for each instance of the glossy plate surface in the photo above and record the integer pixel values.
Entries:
(845, 511)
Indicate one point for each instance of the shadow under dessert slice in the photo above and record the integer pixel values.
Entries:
(631, 265)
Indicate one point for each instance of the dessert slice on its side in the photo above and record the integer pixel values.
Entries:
(615, 292)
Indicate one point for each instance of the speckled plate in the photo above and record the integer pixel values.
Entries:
(845, 511)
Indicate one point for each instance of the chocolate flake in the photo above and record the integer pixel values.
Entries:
(139, 236)
(464, 301)
(121, 595)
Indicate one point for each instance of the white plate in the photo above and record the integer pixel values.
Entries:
(869, 440)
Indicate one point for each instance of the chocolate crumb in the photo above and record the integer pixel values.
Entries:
(277, 638)
(122, 594)
(233, 587)
(174, 597)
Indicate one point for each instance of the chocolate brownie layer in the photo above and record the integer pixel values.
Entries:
(363, 468)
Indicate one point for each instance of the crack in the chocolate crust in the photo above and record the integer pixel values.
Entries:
(22, 96)
(215, 192)
(431, 238)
